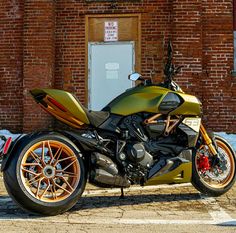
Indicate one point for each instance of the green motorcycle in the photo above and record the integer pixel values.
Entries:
(151, 134)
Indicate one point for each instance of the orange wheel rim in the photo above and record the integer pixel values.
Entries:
(225, 178)
(50, 171)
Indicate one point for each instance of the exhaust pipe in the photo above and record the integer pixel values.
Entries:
(106, 172)
(103, 177)
(105, 163)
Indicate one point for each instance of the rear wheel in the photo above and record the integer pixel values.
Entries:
(211, 176)
(46, 174)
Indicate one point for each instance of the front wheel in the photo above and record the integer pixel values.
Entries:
(211, 176)
(46, 174)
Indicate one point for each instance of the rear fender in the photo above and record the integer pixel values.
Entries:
(85, 147)
(86, 144)
(18, 141)
(22, 140)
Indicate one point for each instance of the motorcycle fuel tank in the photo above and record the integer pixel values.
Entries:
(154, 99)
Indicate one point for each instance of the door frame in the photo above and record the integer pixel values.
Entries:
(90, 44)
(137, 49)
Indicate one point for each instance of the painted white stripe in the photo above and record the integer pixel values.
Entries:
(218, 213)
(153, 222)
(105, 221)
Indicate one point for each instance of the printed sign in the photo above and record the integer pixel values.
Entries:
(112, 70)
(111, 31)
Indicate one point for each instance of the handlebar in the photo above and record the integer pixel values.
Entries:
(170, 69)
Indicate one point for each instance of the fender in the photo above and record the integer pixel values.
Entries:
(13, 146)
(83, 144)
(19, 141)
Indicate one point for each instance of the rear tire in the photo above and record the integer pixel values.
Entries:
(46, 174)
(218, 188)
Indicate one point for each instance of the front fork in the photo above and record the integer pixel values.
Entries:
(208, 140)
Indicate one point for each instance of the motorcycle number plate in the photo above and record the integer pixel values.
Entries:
(193, 123)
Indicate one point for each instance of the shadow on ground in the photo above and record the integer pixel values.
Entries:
(111, 201)
(228, 224)
(8, 209)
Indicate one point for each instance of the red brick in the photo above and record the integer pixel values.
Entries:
(43, 45)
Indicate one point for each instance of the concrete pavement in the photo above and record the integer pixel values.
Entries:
(149, 209)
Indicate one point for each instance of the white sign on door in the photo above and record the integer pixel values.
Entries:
(111, 31)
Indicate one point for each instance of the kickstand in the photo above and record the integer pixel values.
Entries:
(122, 193)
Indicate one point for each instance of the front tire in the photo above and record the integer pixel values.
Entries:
(46, 174)
(214, 180)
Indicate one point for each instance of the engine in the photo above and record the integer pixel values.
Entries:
(131, 164)
(138, 155)
(130, 156)
(135, 160)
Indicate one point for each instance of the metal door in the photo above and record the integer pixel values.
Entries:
(109, 67)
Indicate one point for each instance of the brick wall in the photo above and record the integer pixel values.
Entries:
(219, 89)
(39, 58)
(187, 42)
(70, 37)
(11, 64)
(46, 47)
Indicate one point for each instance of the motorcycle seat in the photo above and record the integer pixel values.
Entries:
(96, 118)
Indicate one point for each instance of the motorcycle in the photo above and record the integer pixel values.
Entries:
(149, 135)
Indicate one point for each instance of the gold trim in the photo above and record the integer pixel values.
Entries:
(170, 123)
(50, 171)
(152, 119)
(228, 179)
(207, 140)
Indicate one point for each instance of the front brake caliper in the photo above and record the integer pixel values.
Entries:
(203, 163)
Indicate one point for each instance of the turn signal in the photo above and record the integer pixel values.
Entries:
(7, 145)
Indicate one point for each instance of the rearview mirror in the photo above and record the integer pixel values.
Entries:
(134, 76)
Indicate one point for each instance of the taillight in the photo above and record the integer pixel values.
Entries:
(58, 105)
(7, 145)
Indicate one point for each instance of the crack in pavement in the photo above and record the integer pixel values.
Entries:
(122, 211)
(139, 207)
